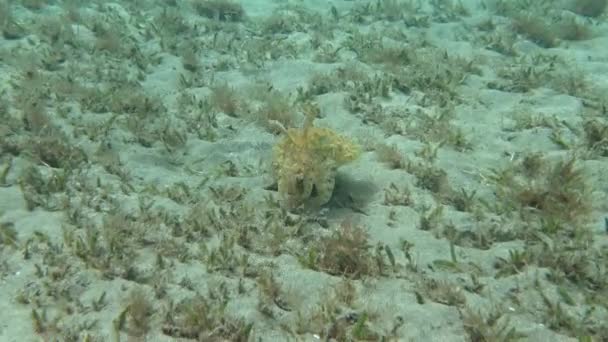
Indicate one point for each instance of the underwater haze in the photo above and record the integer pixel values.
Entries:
(304, 170)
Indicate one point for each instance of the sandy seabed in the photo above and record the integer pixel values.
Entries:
(138, 200)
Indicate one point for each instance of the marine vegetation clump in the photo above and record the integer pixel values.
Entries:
(392, 157)
(222, 10)
(572, 29)
(491, 326)
(43, 188)
(530, 20)
(34, 5)
(203, 319)
(225, 99)
(346, 252)
(588, 8)
(511, 8)
(596, 136)
(8, 234)
(390, 10)
(52, 149)
(437, 126)
(536, 29)
(139, 311)
(275, 107)
(538, 188)
(441, 291)
(190, 59)
(285, 21)
(306, 160)
(9, 26)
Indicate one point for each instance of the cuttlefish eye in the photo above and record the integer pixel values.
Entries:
(314, 192)
(300, 184)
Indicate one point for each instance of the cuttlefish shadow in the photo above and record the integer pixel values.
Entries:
(350, 193)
